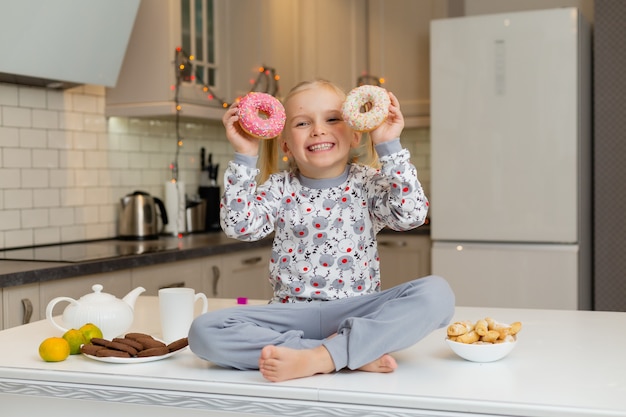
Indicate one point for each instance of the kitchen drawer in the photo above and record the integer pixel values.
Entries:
(188, 274)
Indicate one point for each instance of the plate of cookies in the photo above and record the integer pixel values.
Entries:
(132, 348)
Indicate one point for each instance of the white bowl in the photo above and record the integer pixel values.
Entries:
(481, 352)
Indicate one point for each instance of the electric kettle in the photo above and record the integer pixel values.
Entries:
(138, 217)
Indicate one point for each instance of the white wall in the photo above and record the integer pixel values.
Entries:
(64, 166)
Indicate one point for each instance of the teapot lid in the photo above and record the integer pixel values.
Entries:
(98, 295)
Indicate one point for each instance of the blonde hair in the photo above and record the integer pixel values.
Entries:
(269, 155)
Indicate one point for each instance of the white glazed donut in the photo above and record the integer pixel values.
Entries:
(378, 100)
(252, 105)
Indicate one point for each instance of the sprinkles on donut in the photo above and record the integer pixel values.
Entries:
(358, 98)
(261, 115)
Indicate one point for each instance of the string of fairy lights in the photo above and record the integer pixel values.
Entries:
(265, 82)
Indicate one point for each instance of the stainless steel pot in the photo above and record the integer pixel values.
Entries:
(138, 217)
(195, 220)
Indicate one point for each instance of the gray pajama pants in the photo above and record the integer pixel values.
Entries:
(367, 326)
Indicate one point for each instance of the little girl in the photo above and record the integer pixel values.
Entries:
(328, 311)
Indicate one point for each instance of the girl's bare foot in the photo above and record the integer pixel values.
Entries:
(384, 364)
(280, 363)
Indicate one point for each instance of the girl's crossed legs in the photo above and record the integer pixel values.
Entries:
(287, 341)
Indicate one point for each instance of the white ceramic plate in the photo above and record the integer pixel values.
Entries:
(114, 359)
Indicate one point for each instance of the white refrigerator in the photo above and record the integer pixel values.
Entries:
(511, 195)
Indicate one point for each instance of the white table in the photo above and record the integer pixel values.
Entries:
(567, 363)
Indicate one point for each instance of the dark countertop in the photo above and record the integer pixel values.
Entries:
(21, 272)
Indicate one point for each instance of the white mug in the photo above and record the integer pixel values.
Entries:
(177, 307)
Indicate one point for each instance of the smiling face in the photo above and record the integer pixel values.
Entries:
(315, 135)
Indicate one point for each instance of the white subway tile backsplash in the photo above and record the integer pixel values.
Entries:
(9, 179)
(34, 218)
(73, 233)
(85, 140)
(95, 123)
(8, 95)
(99, 231)
(16, 158)
(34, 178)
(84, 103)
(86, 178)
(45, 119)
(57, 100)
(16, 117)
(72, 159)
(86, 215)
(46, 197)
(61, 216)
(9, 137)
(72, 197)
(32, 97)
(33, 138)
(60, 139)
(108, 213)
(96, 159)
(71, 121)
(45, 158)
(118, 160)
(18, 199)
(131, 177)
(98, 196)
(47, 235)
(10, 219)
(19, 237)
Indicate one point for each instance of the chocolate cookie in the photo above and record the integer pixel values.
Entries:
(155, 351)
(178, 344)
(100, 342)
(148, 343)
(136, 336)
(123, 347)
(130, 342)
(112, 352)
(90, 349)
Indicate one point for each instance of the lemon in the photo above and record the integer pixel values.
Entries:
(75, 338)
(54, 349)
(90, 331)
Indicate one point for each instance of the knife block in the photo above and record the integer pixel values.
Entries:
(212, 196)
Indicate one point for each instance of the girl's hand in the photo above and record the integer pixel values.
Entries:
(242, 142)
(392, 126)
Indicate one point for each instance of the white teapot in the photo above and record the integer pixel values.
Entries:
(112, 315)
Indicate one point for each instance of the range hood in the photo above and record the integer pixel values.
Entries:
(63, 43)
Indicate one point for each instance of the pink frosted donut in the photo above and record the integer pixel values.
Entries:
(378, 100)
(261, 115)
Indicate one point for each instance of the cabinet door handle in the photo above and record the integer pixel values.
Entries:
(28, 310)
(216, 279)
(393, 243)
(180, 284)
(252, 261)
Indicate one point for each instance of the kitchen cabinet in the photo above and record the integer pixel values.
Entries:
(145, 85)
(20, 305)
(403, 257)
(189, 273)
(247, 35)
(399, 51)
(376, 37)
(245, 274)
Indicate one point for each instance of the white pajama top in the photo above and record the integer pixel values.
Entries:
(325, 230)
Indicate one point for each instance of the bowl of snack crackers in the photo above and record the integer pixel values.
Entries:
(485, 340)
